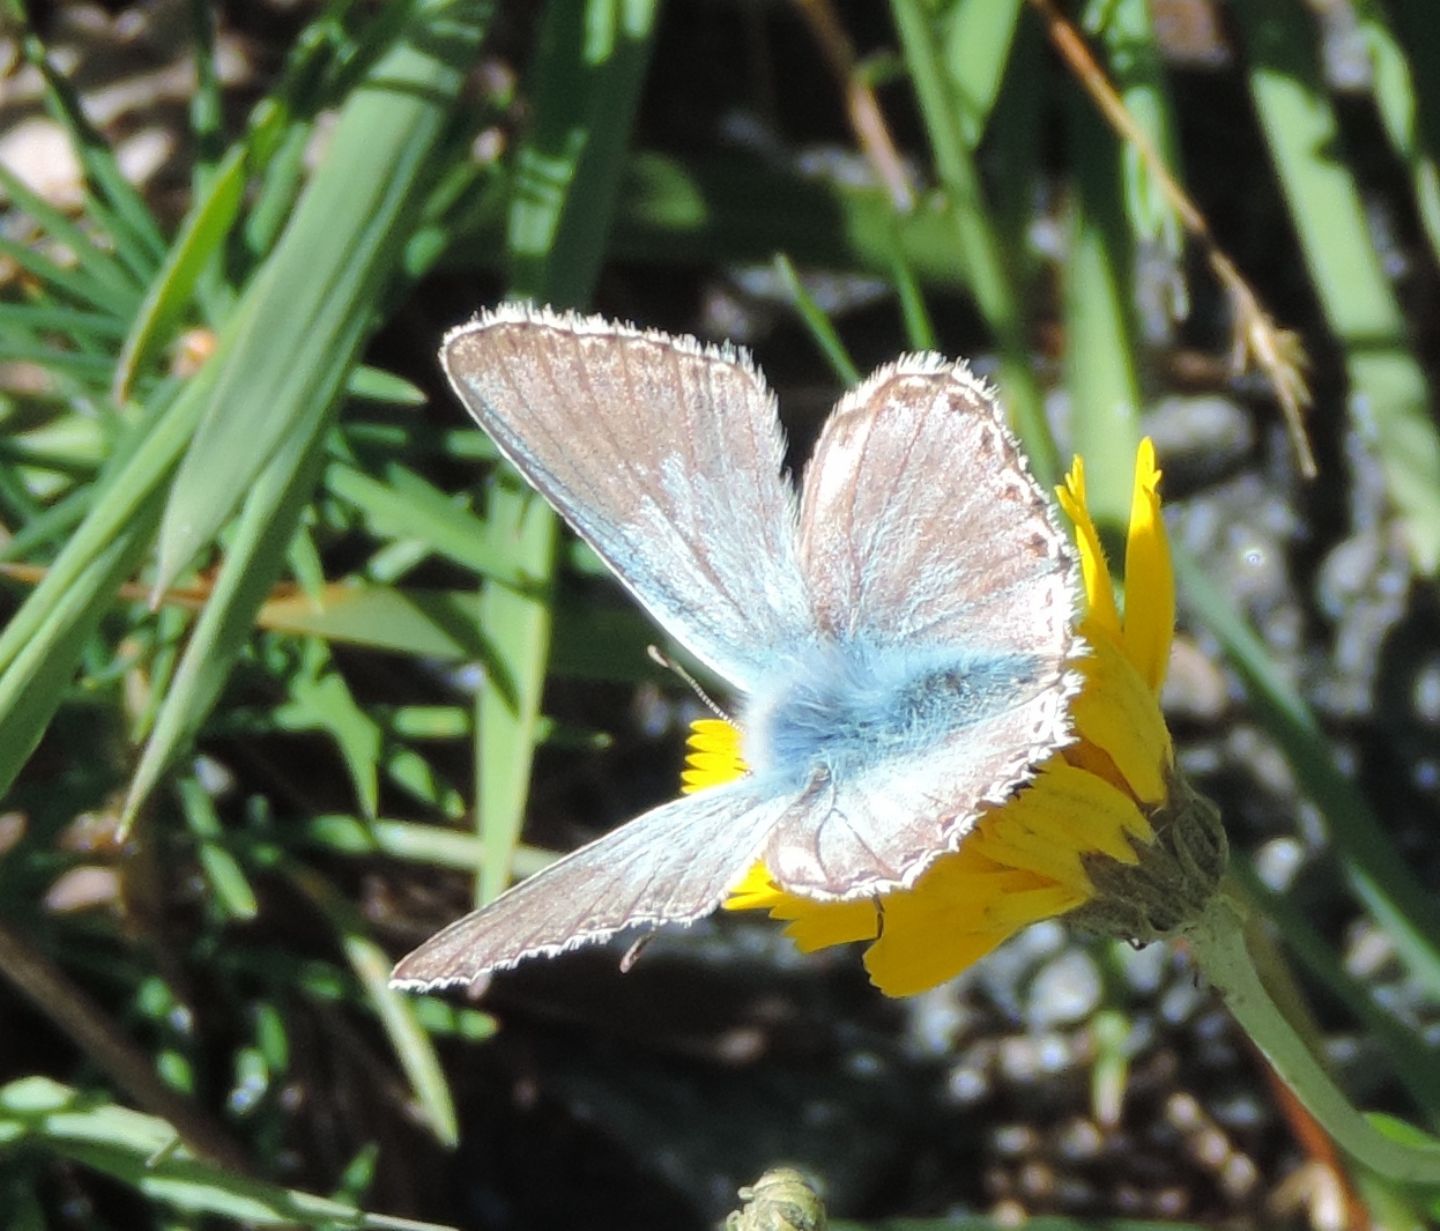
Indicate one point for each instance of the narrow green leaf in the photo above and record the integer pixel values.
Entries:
(302, 321)
(38, 677)
(321, 697)
(821, 328)
(123, 210)
(413, 1047)
(142, 460)
(1389, 392)
(589, 642)
(71, 283)
(369, 384)
(204, 230)
(403, 505)
(1100, 373)
(100, 326)
(739, 204)
(919, 329)
(256, 555)
(977, 36)
(1127, 32)
(140, 1152)
(415, 842)
(228, 882)
(1406, 61)
(91, 260)
(979, 240)
(585, 85)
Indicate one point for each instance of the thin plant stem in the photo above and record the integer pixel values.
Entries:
(1217, 941)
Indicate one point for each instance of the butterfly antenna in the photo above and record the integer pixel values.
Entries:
(659, 656)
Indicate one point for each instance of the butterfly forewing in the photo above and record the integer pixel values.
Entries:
(920, 522)
(664, 455)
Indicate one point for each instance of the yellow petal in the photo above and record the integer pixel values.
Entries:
(1099, 590)
(917, 951)
(1070, 809)
(1149, 576)
(818, 925)
(1117, 713)
(714, 755)
(756, 892)
(813, 925)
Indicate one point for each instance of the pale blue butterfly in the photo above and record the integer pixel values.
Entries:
(901, 637)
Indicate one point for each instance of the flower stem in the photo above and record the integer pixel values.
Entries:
(1217, 941)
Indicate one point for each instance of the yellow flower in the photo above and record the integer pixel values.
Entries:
(1102, 831)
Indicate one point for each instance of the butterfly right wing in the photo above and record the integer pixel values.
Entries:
(921, 525)
(925, 539)
(664, 455)
(674, 864)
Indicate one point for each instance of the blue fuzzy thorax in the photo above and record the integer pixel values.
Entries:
(843, 709)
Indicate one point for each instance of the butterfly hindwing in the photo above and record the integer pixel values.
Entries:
(673, 864)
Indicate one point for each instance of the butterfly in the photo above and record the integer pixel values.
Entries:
(900, 631)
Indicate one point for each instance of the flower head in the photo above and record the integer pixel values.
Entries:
(1106, 832)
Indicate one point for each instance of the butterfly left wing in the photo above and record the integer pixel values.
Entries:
(664, 454)
(673, 864)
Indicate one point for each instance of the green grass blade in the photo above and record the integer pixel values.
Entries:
(403, 505)
(1389, 392)
(320, 695)
(254, 559)
(91, 260)
(586, 81)
(302, 321)
(684, 213)
(937, 86)
(229, 886)
(1100, 373)
(413, 1046)
(919, 328)
(138, 241)
(976, 37)
(98, 326)
(822, 329)
(74, 284)
(143, 460)
(139, 1151)
(426, 623)
(1127, 31)
(201, 235)
(48, 526)
(1406, 60)
(517, 627)
(39, 676)
(586, 86)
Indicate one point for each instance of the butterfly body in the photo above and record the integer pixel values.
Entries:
(900, 631)
(850, 709)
